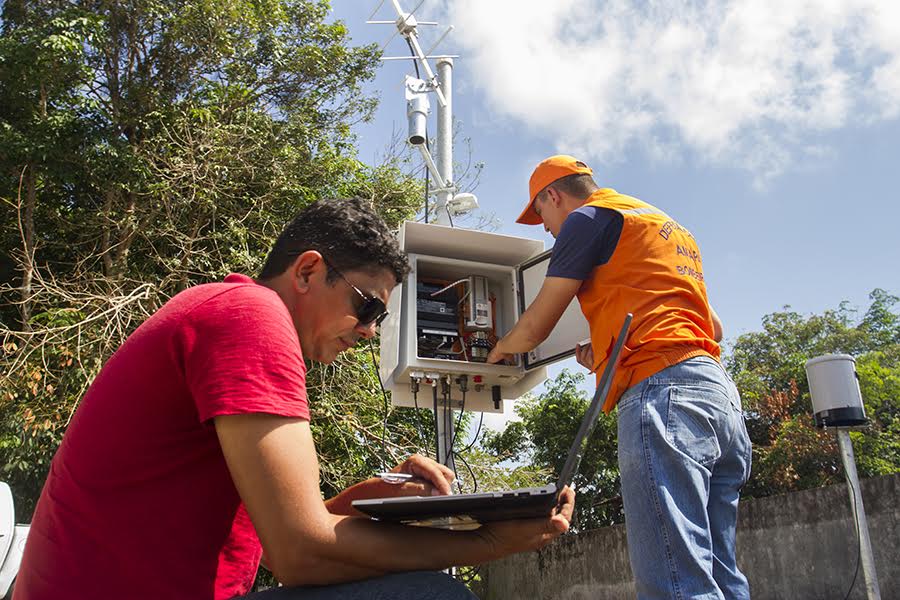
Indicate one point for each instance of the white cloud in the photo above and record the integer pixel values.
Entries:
(745, 82)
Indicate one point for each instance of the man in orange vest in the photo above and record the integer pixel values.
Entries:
(684, 452)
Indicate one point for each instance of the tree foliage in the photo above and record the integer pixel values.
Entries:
(153, 145)
(789, 453)
(542, 438)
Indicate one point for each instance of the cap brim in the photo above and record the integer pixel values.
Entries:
(529, 216)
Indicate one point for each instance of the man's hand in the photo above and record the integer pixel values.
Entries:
(431, 478)
(538, 320)
(497, 354)
(584, 354)
(521, 535)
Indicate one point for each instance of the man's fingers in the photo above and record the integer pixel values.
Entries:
(495, 356)
(414, 488)
(449, 475)
(440, 476)
(565, 505)
(559, 524)
(435, 476)
(567, 502)
(561, 518)
(434, 467)
(584, 354)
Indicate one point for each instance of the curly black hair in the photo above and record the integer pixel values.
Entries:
(347, 232)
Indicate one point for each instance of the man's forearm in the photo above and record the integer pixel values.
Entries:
(380, 545)
(357, 548)
(342, 504)
(541, 316)
(524, 336)
(389, 547)
(321, 571)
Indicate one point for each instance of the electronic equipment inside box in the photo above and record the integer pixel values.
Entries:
(465, 290)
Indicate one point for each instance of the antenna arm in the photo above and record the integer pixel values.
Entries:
(432, 168)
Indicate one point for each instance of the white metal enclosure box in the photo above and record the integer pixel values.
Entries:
(488, 280)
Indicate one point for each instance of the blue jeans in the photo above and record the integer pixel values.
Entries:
(684, 455)
(417, 585)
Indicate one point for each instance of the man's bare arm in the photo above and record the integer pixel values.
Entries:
(273, 463)
(539, 319)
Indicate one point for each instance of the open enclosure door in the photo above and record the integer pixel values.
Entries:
(572, 327)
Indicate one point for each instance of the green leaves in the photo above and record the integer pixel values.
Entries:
(789, 452)
(543, 437)
(159, 144)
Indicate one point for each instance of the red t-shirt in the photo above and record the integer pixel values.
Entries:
(139, 502)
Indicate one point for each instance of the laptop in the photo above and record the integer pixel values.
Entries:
(466, 511)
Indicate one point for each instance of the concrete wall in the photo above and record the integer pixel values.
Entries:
(799, 546)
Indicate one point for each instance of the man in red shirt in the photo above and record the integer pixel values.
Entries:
(191, 457)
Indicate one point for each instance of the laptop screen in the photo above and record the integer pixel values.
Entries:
(593, 410)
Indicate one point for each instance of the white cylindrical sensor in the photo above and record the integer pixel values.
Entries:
(834, 388)
(417, 114)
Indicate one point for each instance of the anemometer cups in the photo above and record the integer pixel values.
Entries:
(834, 388)
(417, 112)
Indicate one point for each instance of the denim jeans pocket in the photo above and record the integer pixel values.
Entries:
(693, 420)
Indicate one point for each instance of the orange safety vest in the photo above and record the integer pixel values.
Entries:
(656, 273)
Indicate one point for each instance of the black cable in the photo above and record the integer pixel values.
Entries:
(469, 447)
(386, 404)
(477, 431)
(471, 472)
(858, 535)
(448, 422)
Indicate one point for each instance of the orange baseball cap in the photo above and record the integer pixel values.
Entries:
(548, 171)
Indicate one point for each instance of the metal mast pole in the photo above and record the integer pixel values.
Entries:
(444, 148)
(440, 170)
(444, 142)
(859, 514)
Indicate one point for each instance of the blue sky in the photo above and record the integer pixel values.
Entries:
(770, 129)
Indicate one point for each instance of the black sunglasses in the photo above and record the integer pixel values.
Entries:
(372, 308)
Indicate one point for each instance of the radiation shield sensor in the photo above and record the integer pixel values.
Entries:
(834, 389)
